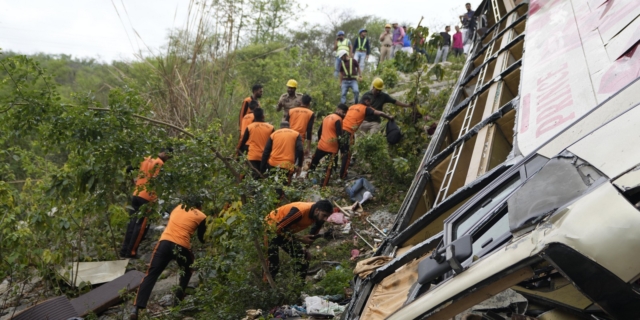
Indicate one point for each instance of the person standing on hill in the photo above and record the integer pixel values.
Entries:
(341, 44)
(289, 220)
(257, 92)
(406, 42)
(289, 100)
(443, 51)
(174, 244)
(283, 151)
(255, 138)
(301, 120)
(385, 43)
(149, 168)
(371, 123)
(458, 45)
(397, 39)
(361, 48)
(329, 140)
(352, 121)
(349, 75)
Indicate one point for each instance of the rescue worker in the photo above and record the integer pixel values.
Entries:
(289, 220)
(283, 151)
(350, 73)
(256, 94)
(371, 124)
(361, 48)
(301, 119)
(341, 44)
(246, 121)
(255, 138)
(352, 121)
(329, 140)
(174, 244)
(149, 168)
(289, 100)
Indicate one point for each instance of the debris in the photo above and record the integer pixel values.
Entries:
(93, 272)
(320, 275)
(363, 239)
(355, 253)
(342, 209)
(347, 228)
(58, 308)
(337, 218)
(375, 227)
(358, 191)
(316, 306)
(366, 267)
(106, 295)
(253, 314)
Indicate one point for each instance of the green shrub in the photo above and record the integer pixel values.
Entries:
(388, 73)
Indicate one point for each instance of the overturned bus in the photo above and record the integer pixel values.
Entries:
(528, 193)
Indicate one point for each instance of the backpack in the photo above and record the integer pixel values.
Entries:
(394, 135)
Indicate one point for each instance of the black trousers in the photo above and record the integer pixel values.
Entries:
(289, 173)
(315, 160)
(256, 165)
(293, 248)
(164, 252)
(136, 228)
(345, 153)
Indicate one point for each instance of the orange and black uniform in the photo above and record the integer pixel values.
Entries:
(328, 142)
(246, 121)
(149, 168)
(174, 244)
(352, 121)
(245, 109)
(301, 119)
(283, 150)
(288, 220)
(255, 138)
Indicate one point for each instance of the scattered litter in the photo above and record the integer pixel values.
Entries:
(355, 253)
(334, 298)
(358, 190)
(363, 239)
(337, 218)
(320, 275)
(93, 272)
(316, 306)
(107, 295)
(253, 314)
(347, 228)
(366, 267)
(376, 227)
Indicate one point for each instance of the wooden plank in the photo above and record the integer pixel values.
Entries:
(58, 308)
(107, 295)
(451, 310)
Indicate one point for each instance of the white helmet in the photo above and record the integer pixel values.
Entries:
(341, 53)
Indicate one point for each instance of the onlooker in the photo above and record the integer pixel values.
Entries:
(406, 42)
(341, 44)
(289, 100)
(385, 43)
(371, 123)
(458, 46)
(361, 49)
(349, 76)
(397, 40)
(443, 51)
(467, 18)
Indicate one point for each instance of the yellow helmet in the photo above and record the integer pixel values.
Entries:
(378, 83)
(292, 83)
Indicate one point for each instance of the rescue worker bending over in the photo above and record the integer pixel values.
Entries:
(301, 119)
(329, 140)
(174, 244)
(283, 151)
(246, 121)
(290, 219)
(256, 94)
(352, 121)
(149, 168)
(255, 138)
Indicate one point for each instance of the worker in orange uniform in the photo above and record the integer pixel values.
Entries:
(149, 168)
(174, 244)
(255, 138)
(329, 140)
(256, 94)
(352, 121)
(283, 151)
(288, 220)
(301, 119)
(246, 121)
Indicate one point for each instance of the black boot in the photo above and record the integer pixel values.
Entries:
(134, 313)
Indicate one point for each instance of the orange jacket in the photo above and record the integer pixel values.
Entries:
(301, 119)
(149, 167)
(329, 133)
(255, 137)
(283, 149)
(244, 109)
(182, 225)
(293, 218)
(246, 121)
(355, 116)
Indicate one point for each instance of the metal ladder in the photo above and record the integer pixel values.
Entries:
(496, 10)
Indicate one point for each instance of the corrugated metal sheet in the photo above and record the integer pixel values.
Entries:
(106, 295)
(58, 308)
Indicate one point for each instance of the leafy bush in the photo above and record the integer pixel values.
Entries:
(388, 73)
(336, 280)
